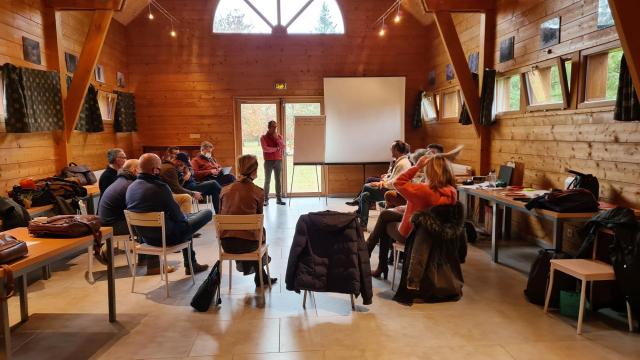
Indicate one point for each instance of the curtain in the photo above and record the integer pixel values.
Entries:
(90, 119)
(125, 117)
(417, 115)
(486, 100)
(627, 106)
(33, 100)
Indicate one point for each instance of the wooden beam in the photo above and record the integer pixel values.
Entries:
(54, 53)
(486, 60)
(459, 5)
(86, 64)
(625, 14)
(115, 5)
(452, 44)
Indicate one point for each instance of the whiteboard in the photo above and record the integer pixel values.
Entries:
(309, 140)
(364, 116)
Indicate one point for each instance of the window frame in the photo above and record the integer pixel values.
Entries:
(582, 86)
(434, 95)
(563, 86)
(443, 103)
(523, 101)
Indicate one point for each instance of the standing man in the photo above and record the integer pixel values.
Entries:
(116, 158)
(272, 149)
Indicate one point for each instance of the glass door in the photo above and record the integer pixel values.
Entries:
(305, 179)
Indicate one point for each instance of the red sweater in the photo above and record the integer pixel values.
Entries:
(202, 167)
(420, 197)
(272, 148)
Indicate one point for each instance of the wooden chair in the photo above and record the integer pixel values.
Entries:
(585, 271)
(153, 219)
(208, 204)
(117, 239)
(243, 222)
(397, 249)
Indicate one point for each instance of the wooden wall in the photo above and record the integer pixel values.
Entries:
(32, 155)
(586, 140)
(187, 85)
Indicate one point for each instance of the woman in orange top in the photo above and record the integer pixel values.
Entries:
(439, 189)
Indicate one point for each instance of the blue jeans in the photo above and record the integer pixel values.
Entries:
(208, 188)
(368, 196)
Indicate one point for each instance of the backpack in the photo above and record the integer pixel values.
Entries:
(201, 301)
(81, 172)
(13, 214)
(566, 201)
(539, 276)
(585, 181)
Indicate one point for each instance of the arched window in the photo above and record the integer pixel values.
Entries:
(267, 16)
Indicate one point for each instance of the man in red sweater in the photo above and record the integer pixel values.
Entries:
(272, 149)
(206, 168)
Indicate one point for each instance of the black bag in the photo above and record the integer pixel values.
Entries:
(566, 201)
(13, 214)
(38, 197)
(66, 189)
(67, 207)
(81, 172)
(625, 258)
(201, 301)
(539, 276)
(585, 181)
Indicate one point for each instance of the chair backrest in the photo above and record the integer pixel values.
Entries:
(149, 219)
(239, 222)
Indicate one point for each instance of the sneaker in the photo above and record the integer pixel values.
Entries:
(156, 271)
(382, 204)
(280, 202)
(266, 202)
(197, 268)
(273, 281)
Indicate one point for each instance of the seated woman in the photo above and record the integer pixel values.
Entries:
(243, 197)
(439, 189)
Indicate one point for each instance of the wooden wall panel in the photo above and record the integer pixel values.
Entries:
(550, 142)
(344, 179)
(32, 155)
(186, 85)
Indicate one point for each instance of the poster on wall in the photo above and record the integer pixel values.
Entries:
(71, 62)
(474, 59)
(99, 73)
(506, 49)
(450, 74)
(605, 18)
(31, 50)
(431, 79)
(120, 79)
(550, 33)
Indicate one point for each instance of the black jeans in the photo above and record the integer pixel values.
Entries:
(368, 196)
(209, 188)
(234, 245)
(223, 179)
(274, 166)
(380, 235)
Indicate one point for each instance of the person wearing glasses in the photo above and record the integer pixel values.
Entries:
(272, 150)
(116, 158)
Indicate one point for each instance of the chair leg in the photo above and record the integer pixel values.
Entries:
(581, 311)
(629, 317)
(549, 289)
(163, 269)
(90, 278)
(396, 256)
(268, 272)
(230, 262)
(304, 300)
(260, 275)
(193, 275)
(133, 267)
(353, 302)
(128, 256)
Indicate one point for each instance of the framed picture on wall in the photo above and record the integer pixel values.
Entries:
(605, 18)
(120, 81)
(99, 72)
(31, 50)
(431, 79)
(71, 62)
(550, 33)
(474, 59)
(506, 49)
(450, 74)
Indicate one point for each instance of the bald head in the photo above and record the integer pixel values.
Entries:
(149, 164)
(131, 166)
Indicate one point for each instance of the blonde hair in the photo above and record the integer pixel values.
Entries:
(247, 165)
(439, 173)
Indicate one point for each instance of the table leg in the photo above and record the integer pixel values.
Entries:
(111, 288)
(90, 205)
(24, 302)
(494, 233)
(46, 272)
(464, 200)
(6, 330)
(557, 234)
(506, 223)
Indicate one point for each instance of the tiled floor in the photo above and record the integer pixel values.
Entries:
(491, 321)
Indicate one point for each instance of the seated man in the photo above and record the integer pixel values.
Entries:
(206, 167)
(188, 180)
(375, 191)
(170, 153)
(116, 158)
(169, 175)
(149, 194)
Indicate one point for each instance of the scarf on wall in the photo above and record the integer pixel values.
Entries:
(90, 118)
(627, 107)
(125, 116)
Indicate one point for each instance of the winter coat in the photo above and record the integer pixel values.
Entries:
(329, 254)
(435, 249)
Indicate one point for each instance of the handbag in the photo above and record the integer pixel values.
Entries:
(585, 181)
(80, 172)
(201, 301)
(71, 226)
(10, 249)
(539, 276)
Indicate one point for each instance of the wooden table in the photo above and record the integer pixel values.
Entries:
(497, 199)
(42, 252)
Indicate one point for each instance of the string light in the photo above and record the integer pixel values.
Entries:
(398, 15)
(383, 29)
(150, 13)
(173, 32)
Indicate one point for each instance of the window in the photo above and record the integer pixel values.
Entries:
(451, 105)
(567, 71)
(545, 86)
(428, 108)
(602, 73)
(508, 93)
(267, 16)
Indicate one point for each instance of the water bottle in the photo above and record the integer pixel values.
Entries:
(492, 178)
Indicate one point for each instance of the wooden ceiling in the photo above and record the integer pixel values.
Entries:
(415, 8)
(130, 11)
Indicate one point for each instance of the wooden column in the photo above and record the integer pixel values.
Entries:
(625, 14)
(487, 60)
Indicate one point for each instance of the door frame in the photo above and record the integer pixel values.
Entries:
(280, 101)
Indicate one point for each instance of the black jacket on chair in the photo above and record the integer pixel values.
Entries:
(329, 254)
(434, 251)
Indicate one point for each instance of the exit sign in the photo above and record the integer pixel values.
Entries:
(280, 86)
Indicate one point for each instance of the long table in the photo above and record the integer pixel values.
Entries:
(497, 199)
(42, 252)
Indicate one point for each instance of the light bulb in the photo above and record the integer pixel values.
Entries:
(397, 18)
(173, 33)
(150, 16)
(382, 32)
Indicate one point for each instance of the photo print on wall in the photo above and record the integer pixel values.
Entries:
(31, 51)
